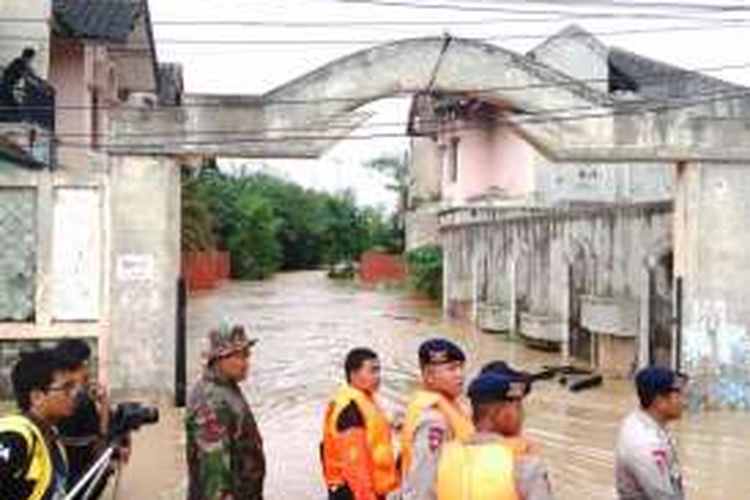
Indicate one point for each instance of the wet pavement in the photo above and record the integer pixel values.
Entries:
(306, 324)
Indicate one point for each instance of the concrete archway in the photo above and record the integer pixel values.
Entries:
(319, 105)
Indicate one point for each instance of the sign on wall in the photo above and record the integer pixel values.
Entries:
(135, 267)
(76, 254)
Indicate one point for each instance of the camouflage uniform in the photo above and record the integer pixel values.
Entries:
(224, 447)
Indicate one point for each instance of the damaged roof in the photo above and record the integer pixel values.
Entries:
(108, 20)
(657, 80)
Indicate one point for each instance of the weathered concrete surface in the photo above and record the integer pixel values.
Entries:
(522, 260)
(145, 261)
(712, 227)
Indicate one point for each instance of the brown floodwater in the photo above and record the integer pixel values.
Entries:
(306, 324)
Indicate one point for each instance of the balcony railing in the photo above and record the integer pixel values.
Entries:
(32, 102)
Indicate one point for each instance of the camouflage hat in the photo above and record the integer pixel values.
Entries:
(227, 340)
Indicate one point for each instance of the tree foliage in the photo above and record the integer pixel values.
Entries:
(395, 168)
(426, 270)
(267, 223)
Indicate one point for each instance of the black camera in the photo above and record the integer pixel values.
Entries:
(131, 416)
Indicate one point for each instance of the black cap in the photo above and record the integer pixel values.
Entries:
(497, 388)
(439, 351)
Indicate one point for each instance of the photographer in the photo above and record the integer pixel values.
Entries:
(84, 434)
(32, 462)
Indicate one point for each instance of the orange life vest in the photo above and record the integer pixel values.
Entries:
(377, 431)
(457, 415)
(481, 471)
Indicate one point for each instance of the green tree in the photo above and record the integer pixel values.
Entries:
(395, 167)
(426, 270)
(253, 245)
(267, 223)
(197, 219)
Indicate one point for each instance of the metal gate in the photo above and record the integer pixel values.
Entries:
(580, 339)
(661, 317)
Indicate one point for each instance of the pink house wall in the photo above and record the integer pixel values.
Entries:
(489, 158)
(75, 70)
(67, 75)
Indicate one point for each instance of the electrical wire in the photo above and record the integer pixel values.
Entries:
(642, 77)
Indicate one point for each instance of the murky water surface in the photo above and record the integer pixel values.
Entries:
(306, 324)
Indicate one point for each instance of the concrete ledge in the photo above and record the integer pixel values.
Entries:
(543, 328)
(616, 316)
(494, 317)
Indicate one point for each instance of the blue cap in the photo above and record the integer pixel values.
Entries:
(439, 351)
(503, 368)
(497, 387)
(658, 380)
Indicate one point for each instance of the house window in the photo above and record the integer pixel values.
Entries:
(452, 159)
(17, 254)
(95, 119)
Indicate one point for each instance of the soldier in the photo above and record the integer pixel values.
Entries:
(646, 466)
(224, 447)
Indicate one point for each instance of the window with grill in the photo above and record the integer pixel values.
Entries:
(17, 254)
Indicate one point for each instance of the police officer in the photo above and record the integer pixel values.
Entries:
(435, 415)
(485, 465)
(358, 460)
(32, 461)
(513, 436)
(646, 465)
(224, 447)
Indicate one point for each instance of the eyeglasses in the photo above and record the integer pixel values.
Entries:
(70, 389)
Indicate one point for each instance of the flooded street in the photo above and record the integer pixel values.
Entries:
(306, 324)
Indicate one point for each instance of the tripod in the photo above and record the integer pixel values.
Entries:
(94, 475)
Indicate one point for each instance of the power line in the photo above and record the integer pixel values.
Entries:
(625, 4)
(475, 7)
(643, 77)
(517, 120)
(723, 25)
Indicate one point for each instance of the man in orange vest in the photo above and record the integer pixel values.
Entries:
(485, 466)
(435, 415)
(357, 454)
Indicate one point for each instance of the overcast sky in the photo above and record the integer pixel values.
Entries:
(273, 48)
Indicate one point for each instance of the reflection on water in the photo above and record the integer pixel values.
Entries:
(306, 325)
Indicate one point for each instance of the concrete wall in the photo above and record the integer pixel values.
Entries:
(45, 327)
(17, 36)
(145, 262)
(422, 226)
(518, 260)
(713, 256)
(602, 182)
(425, 171)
